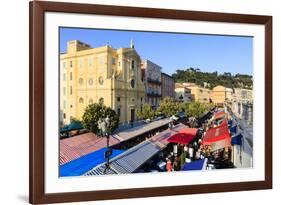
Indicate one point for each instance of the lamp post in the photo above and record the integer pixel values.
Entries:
(104, 125)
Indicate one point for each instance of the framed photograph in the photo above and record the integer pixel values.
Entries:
(132, 102)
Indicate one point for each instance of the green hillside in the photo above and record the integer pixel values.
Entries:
(213, 79)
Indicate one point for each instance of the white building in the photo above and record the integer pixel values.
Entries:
(182, 93)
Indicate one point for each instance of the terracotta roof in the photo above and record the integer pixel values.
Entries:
(80, 145)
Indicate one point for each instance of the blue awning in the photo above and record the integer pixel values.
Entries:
(130, 160)
(83, 164)
(233, 130)
(195, 165)
(237, 139)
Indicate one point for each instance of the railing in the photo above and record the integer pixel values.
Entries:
(150, 80)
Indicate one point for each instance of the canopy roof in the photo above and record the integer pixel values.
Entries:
(195, 165)
(219, 115)
(216, 134)
(74, 147)
(76, 125)
(185, 136)
(142, 129)
(83, 164)
(237, 139)
(129, 161)
(135, 157)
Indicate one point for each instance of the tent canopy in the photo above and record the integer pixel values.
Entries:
(185, 136)
(191, 131)
(195, 165)
(216, 134)
(219, 115)
(76, 125)
(83, 164)
(237, 139)
(233, 130)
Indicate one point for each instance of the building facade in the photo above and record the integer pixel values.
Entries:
(243, 95)
(199, 94)
(221, 94)
(152, 78)
(182, 93)
(242, 104)
(89, 75)
(167, 86)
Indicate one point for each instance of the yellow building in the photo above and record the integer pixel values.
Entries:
(199, 94)
(221, 94)
(102, 73)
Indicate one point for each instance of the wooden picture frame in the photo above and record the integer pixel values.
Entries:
(37, 11)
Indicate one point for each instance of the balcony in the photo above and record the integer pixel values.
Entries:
(153, 81)
(152, 94)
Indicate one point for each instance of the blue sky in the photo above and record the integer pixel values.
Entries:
(174, 51)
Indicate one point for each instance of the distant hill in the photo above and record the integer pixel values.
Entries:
(213, 79)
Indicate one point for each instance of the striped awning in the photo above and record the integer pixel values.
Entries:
(83, 164)
(130, 160)
(135, 157)
(142, 129)
(75, 147)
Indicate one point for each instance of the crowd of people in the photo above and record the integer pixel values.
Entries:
(180, 154)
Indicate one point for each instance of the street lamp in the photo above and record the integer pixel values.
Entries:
(104, 125)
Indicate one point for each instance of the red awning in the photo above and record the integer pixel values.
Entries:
(219, 115)
(192, 131)
(184, 136)
(216, 134)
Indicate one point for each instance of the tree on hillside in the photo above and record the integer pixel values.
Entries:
(169, 107)
(146, 112)
(213, 79)
(94, 112)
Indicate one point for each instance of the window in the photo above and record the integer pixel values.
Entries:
(64, 104)
(80, 63)
(132, 83)
(118, 99)
(119, 112)
(101, 60)
(70, 90)
(70, 76)
(90, 81)
(113, 61)
(133, 64)
(91, 101)
(64, 115)
(64, 90)
(81, 81)
(81, 100)
(90, 61)
(100, 80)
(70, 64)
(64, 77)
(70, 106)
(141, 99)
(64, 64)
